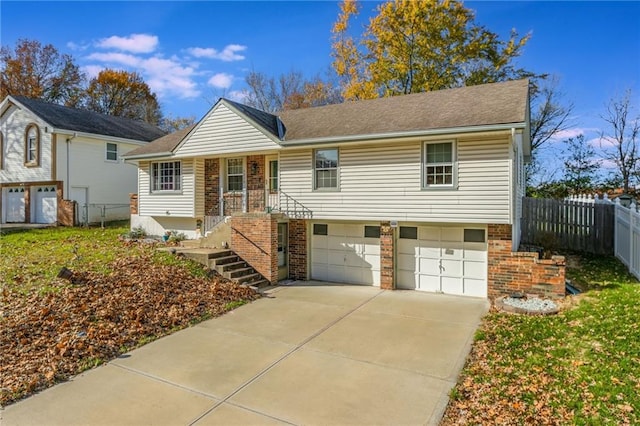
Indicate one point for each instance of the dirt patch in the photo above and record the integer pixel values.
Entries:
(47, 338)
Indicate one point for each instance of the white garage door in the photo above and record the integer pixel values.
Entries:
(345, 253)
(443, 259)
(45, 204)
(14, 210)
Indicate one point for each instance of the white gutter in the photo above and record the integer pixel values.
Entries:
(416, 133)
(97, 136)
(143, 156)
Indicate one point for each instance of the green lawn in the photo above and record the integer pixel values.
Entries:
(32, 259)
(579, 367)
(122, 295)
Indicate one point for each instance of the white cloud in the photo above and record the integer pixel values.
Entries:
(228, 54)
(221, 80)
(572, 133)
(77, 46)
(92, 71)
(117, 58)
(237, 95)
(135, 43)
(166, 77)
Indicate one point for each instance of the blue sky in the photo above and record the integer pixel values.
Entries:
(190, 53)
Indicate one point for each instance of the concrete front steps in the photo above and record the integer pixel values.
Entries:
(226, 263)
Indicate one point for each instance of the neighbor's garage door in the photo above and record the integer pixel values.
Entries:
(443, 259)
(345, 253)
(14, 210)
(45, 204)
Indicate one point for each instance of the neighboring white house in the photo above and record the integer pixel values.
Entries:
(421, 191)
(50, 153)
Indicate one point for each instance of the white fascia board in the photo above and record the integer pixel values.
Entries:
(417, 133)
(97, 136)
(154, 155)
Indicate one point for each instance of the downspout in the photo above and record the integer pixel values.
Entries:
(68, 191)
(515, 227)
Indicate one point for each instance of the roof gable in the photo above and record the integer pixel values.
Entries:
(230, 128)
(78, 120)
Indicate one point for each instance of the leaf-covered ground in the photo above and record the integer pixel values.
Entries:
(123, 295)
(579, 367)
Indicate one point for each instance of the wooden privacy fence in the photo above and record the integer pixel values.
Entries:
(582, 225)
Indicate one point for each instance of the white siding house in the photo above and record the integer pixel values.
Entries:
(417, 182)
(51, 153)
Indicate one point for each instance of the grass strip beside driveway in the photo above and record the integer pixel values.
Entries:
(579, 367)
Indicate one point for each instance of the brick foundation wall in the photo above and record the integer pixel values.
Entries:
(254, 237)
(212, 187)
(67, 213)
(387, 276)
(523, 272)
(298, 249)
(133, 203)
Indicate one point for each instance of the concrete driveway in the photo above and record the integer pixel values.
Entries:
(306, 354)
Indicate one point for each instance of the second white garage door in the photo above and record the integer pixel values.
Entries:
(45, 204)
(345, 253)
(443, 259)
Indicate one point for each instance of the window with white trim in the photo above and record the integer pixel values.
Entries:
(112, 152)
(438, 163)
(166, 176)
(325, 168)
(235, 174)
(31, 145)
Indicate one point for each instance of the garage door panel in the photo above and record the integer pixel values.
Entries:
(371, 246)
(452, 285)
(431, 266)
(452, 268)
(475, 288)
(320, 271)
(452, 234)
(429, 233)
(476, 270)
(475, 254)
(407, 262)
(336, 243)
(336, 258)
(354, 231)
(407, 280)
(429, 283)
(336, 273)
(408, 247)
(319, 241)
(320, 256)
(372, 261)
(429, 251)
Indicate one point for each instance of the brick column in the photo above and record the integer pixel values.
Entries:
(387, 242)
(133, 203)
(211, 187)
(298, 249)
(254, 237)
(255, 183)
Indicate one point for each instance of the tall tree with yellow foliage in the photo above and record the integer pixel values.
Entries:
(420, 45)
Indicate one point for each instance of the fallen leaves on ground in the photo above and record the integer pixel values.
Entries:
(47, 338)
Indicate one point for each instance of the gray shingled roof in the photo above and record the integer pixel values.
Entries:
(163, 145)
(487, 104)
(483, 105)
(268, 122)
(78, 120)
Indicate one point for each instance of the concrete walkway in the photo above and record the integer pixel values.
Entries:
(314, 354)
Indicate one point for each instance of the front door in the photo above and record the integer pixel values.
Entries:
(271, 182)
(283, 251)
